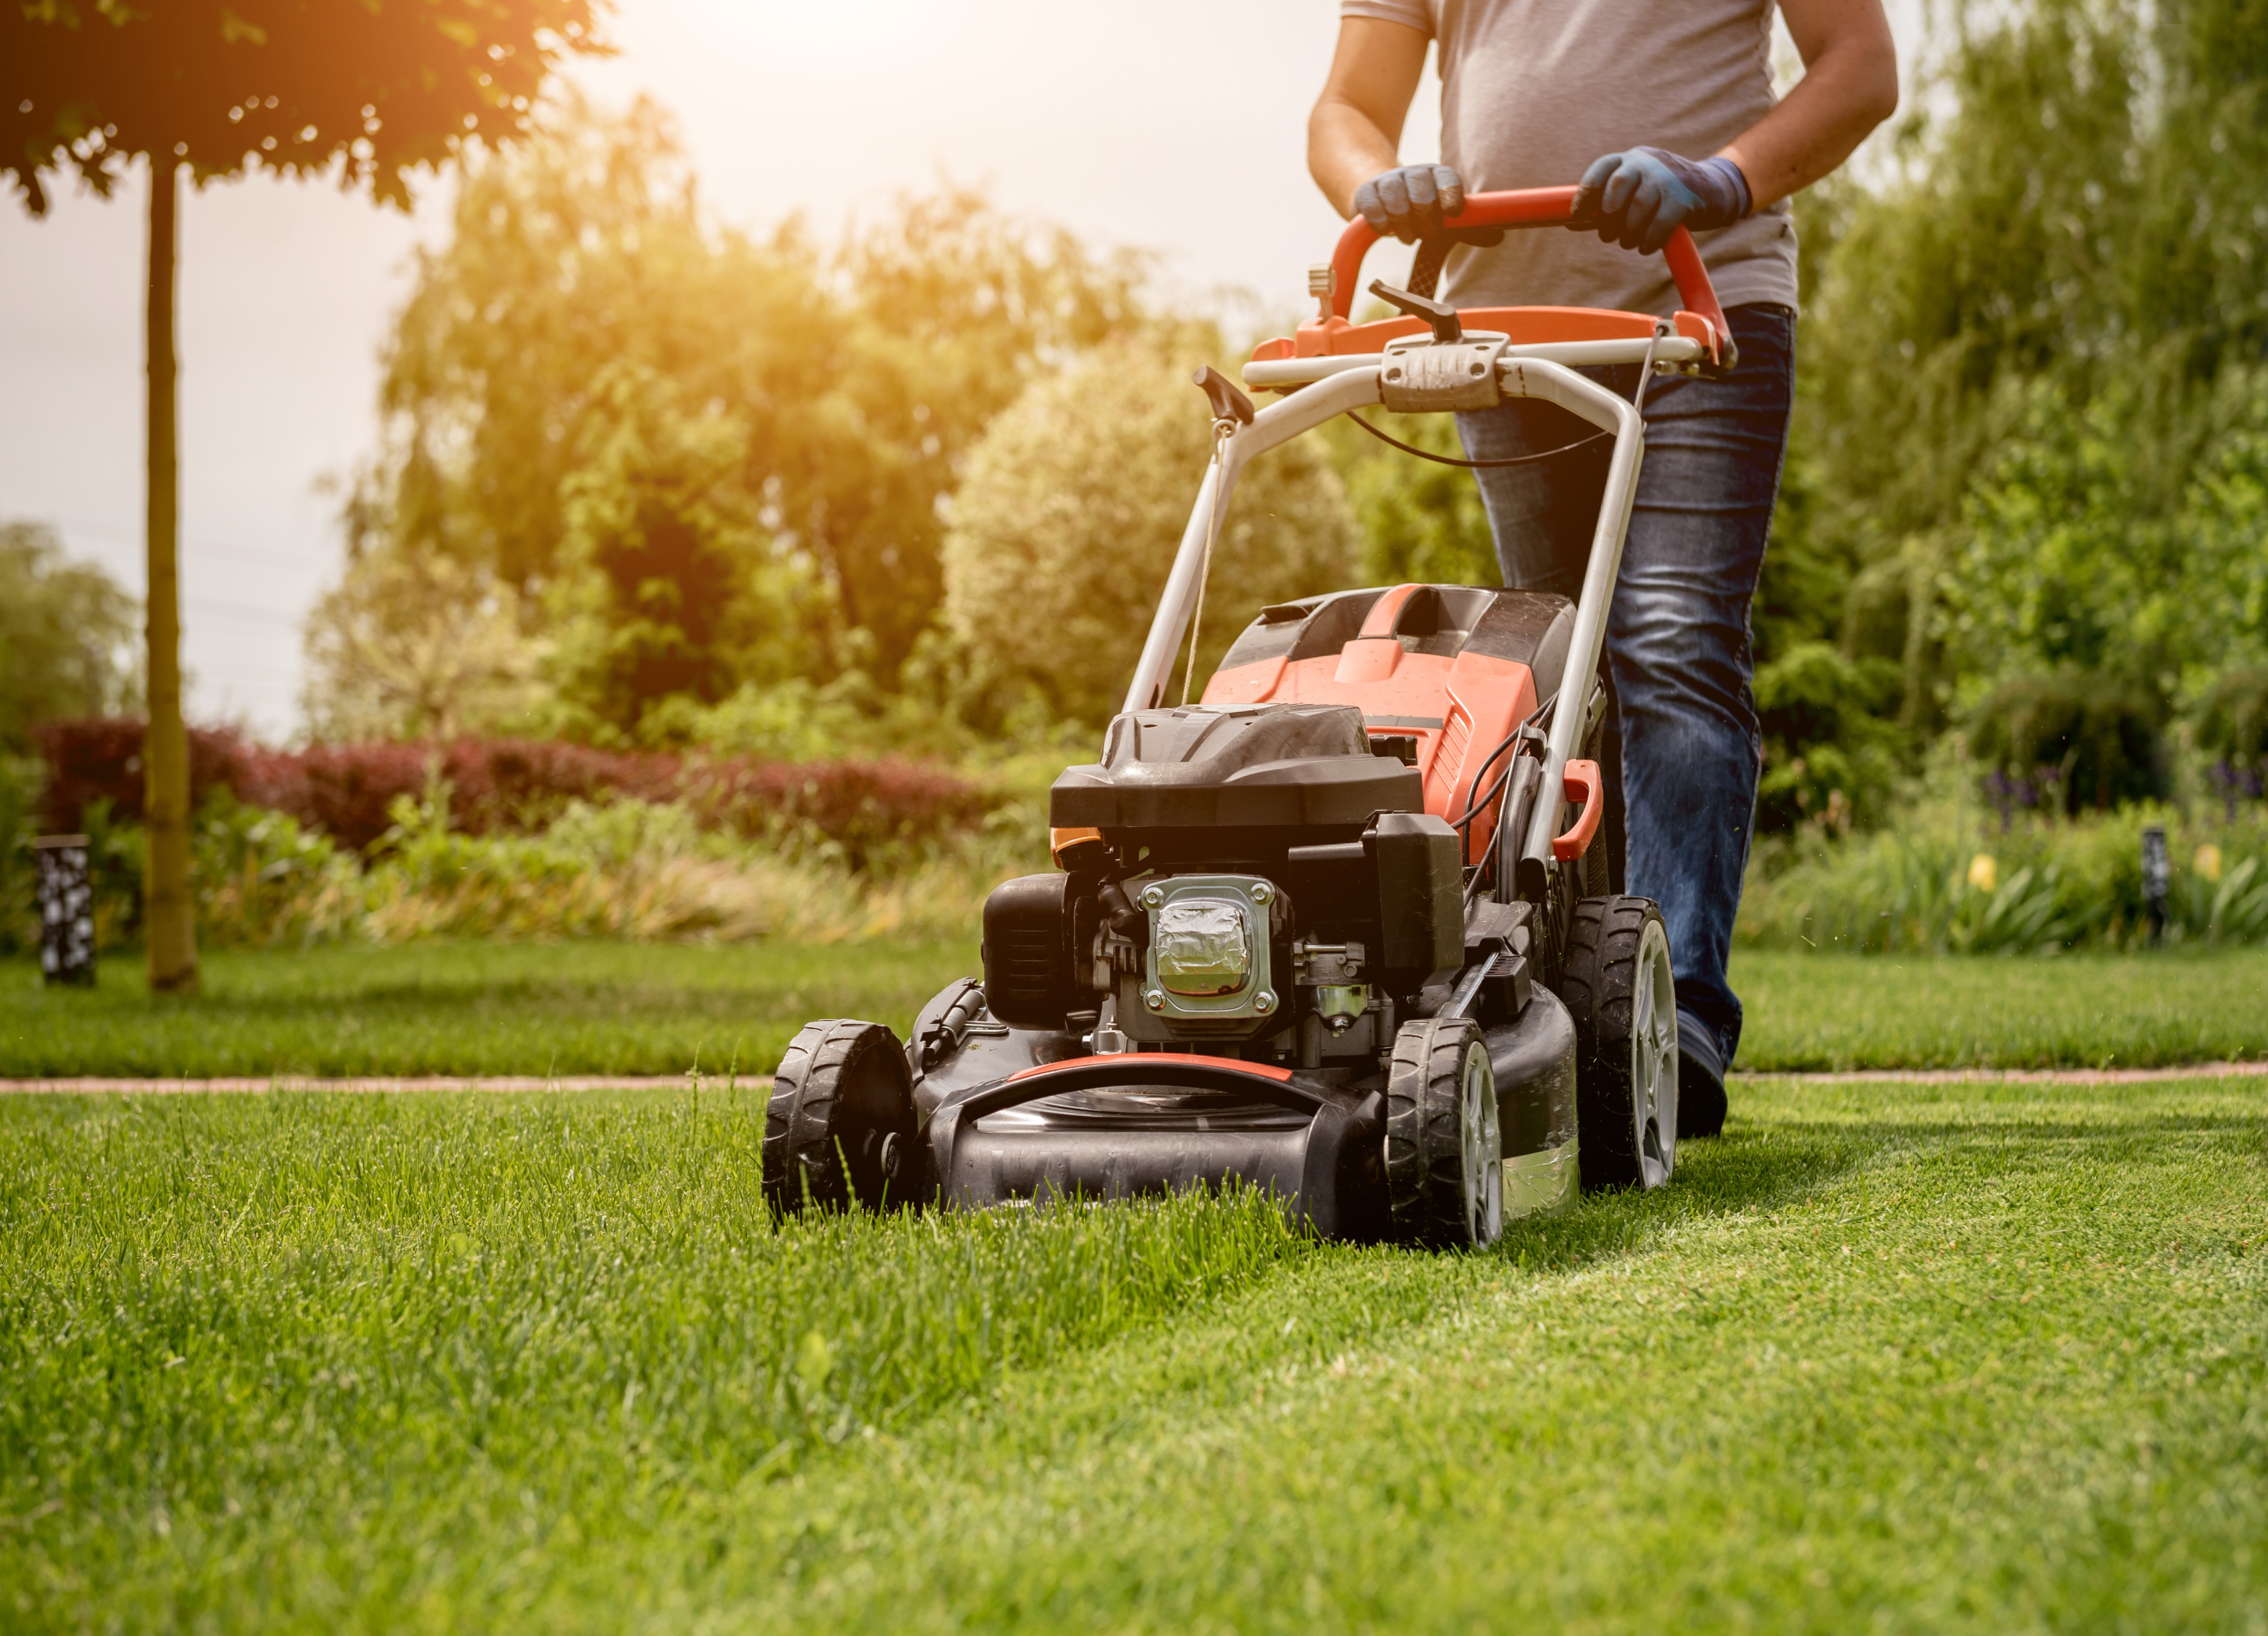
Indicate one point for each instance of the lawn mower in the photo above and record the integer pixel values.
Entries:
(1346, 929)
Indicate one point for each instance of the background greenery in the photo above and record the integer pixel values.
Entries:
(644, 480)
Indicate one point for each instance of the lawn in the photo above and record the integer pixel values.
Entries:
(448, 1008)
(576, 1008)
(1895, 1357)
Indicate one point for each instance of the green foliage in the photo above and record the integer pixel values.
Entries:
(262, 881)
(1073, 506)
(417, 645)
(1828, 758)
(1944, 882)
(2029, 419)
(1417, 520)
(2231, 728)
(67, 639)
(2069, 742)
(362, 90)
(2078, 556)
(590, 376)
(665, 590)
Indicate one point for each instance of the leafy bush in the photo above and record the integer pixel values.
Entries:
(2232, 729)
(1943, 882)
(1829, 759)
(260, 879)
(2069, 742)
(872, 811)
(67, 637)
(1074, 502)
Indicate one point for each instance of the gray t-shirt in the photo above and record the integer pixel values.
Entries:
(1532, 91)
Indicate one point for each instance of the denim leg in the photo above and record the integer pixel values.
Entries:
(1677, 636)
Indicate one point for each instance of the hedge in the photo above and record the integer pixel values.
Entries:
(507, 786)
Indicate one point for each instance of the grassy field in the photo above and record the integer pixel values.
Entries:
(2093, 1010)
(1884, 1357)
(574, 1008)
(440, 1007)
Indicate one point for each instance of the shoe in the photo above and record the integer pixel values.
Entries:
(1700, 1081)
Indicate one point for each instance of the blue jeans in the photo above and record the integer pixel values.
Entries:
(1679, 659)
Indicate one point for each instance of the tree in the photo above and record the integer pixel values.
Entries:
(668, 591)
(366, 90)
(411, 647)
(66, 636)
(1075, 500)
(854, 381)
(2033, 338)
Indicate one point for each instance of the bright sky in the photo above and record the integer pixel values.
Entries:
(1177, 126)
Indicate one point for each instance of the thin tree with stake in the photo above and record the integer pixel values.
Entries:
(365, 91)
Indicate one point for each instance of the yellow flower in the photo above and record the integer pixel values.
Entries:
(1984, 872)
(2207, 862)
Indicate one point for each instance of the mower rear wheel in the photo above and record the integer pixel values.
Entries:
(840, 1130)
(1444, 1151)
(1617, 984)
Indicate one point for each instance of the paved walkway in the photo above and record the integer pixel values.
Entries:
(300, 1082)
(758, 1081)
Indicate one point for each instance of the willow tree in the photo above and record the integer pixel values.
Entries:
(362, 92)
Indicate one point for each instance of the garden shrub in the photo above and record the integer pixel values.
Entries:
(873, 811)
(1828, 758)
(2069, 742)
(1949, 880)
(2232, 729)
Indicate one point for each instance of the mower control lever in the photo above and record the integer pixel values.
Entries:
(1448, 328)
(1227, 402)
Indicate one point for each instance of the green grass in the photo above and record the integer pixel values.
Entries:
(438, 1008)
(574, 1008)
(1884, 1357)
(2094, 1010)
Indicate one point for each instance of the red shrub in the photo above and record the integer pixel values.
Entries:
(100, 757)
(499, 785)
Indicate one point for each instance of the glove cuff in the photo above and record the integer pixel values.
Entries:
(1738, 203)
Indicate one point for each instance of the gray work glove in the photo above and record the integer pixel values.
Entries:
(1409, 202)
(1639, 197)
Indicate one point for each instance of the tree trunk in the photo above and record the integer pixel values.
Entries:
(168, 912)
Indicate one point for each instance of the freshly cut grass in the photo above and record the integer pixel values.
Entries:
(2088, 1010)
(292, 1357)
(451, 1008)
(1971, 1358)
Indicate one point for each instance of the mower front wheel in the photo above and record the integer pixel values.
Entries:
(1444, 1149)
(1617, 986)
(840, 1130)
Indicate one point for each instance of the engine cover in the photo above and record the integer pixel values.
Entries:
(1248, 766)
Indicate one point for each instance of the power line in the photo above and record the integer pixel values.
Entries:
(203, 547)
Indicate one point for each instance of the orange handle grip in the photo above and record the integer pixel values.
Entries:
(1529, 207)
(1588, 784)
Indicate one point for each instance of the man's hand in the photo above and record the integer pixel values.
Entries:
(1639, 197)
(1408, 201)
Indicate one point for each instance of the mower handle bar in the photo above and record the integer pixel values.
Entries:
(1527, 207)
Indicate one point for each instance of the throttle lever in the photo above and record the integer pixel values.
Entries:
(1448, 328)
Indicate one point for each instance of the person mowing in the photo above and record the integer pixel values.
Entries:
(1664, 110)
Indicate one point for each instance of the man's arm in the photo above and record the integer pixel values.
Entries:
(1356, 129)
(1850, 85)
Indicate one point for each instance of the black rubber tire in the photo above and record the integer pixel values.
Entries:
(841, 1129)
(1444, 1149)
(1616, 984)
